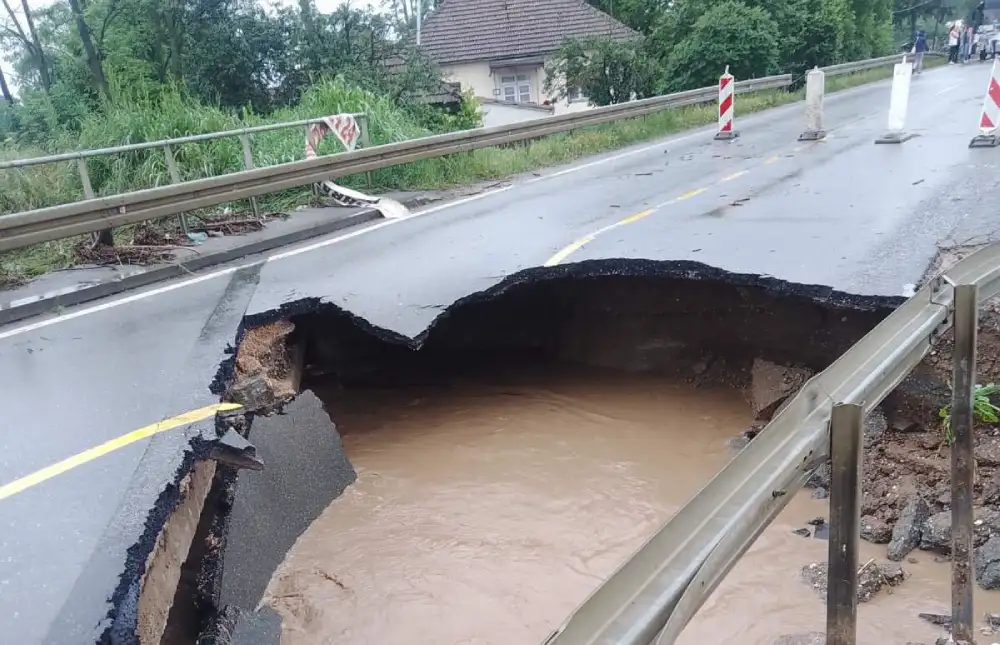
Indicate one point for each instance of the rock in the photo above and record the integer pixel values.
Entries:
(991, 489)
(875, 530)
(742, 440)
(820, 477)
(820, 493)
(941, 620)
(893, 574)
(988, 451)
(987, 564)
(810, 638)
(992, 620)
(817, 521)
(906, 532)
(874, 428)
(900, 423)
(871, 578)
(801, 532)
(772, 384)
(936, 535)
(253, 393)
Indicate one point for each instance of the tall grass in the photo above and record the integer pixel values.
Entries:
(171, 114)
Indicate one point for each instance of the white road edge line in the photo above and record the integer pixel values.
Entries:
(142, 295)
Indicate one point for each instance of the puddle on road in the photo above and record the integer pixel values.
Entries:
(485, 513)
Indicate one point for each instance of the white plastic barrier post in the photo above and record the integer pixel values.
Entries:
(815, 90)
(727, 93)
(898, 100)
(989, 118)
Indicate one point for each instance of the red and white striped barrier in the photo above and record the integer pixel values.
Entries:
(345, 126)
(989, 119)
(727, 87)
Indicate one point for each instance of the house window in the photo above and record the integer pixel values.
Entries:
(515, 88)
(575, 94)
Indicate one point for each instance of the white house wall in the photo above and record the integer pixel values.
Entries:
(500, 114)
(485, 84)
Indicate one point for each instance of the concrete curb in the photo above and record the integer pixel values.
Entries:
(43, 304)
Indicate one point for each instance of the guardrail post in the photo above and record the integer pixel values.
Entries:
(175, 178)
(248, 165)
(845, 524)
(963, 461)
(105, 236)
(366, 141)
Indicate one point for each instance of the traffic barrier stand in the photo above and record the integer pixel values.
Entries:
(727, 87)
(815, 89)
(902, 73)
(990, 117)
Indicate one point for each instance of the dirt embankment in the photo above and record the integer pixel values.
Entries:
(906, 501)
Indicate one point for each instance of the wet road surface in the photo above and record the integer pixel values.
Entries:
(845, 213)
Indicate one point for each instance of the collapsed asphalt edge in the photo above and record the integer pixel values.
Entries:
(224, 621)
(113, 287)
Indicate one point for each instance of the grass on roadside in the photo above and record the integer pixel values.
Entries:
(39, 185)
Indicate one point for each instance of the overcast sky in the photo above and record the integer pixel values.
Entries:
(324, 6)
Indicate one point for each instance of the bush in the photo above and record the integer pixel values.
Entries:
(607, 72)
(731, 33)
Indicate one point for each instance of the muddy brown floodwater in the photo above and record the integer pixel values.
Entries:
(484, 513)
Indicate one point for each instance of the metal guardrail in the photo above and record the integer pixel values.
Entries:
(103, 213)
(167, 145)
(242, 133)
(652, 597)
(56, 222)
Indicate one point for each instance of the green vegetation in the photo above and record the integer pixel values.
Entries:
(81, 74)
(982, 409)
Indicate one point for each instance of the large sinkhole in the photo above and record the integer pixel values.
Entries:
(482, 479)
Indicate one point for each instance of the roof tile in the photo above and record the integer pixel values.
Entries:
(467, 30)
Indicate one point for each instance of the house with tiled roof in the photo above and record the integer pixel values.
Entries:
(499, 50)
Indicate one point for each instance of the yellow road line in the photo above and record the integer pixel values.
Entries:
(636, 217)
(587, 239)
(691, 193)
(569, 250)
(39, 476)
(583, 241)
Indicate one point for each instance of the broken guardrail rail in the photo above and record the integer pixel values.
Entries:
(651, 598)
(94, 214)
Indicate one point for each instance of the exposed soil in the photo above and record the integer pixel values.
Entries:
(266, 368)
(911, 460)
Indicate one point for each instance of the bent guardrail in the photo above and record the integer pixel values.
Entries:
(168, 145)
(654, 594)
(55, 222)
(102, 213)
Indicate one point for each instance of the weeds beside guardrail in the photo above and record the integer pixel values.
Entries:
(471, 164)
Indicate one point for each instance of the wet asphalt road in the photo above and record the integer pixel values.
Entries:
(844, 213)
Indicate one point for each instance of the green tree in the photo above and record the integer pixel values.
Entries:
(730, 33)
(605, 71)
(641, 15)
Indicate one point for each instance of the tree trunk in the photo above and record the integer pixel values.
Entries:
(43, 65)
(175, 39)
(93, 59)
(4, 90)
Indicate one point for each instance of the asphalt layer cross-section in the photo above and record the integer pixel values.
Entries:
(844, 213)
